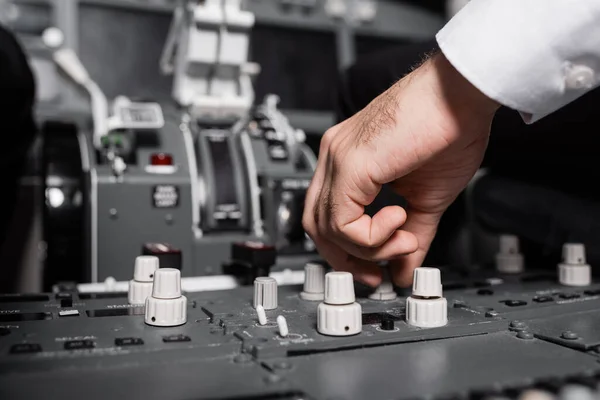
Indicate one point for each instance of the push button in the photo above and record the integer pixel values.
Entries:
(542, 299)
(25, 348)
(568, 296)
(515, 303)
(176, 338)
(129, 341)
(79, 344)
(68, 313)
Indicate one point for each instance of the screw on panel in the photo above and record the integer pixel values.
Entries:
(113, 213)
(525, 335)
(568, 335)
(492, 314)
(169, 219)
(517, 325)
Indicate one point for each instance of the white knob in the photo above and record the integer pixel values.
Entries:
(339, 288)
(339, 315)
(574, 275)
(140, 287)
(145, 267)
(339, 320)
(167, 283)
(166, 306)
(385, 291)
(508, 259)
(426, 308)
(509, 244)
(427, 282)
(426, 313)
(265, 292)
(314, 282)
(573, 253)
(574, 271)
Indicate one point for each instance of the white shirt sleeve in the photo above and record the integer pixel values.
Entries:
(534, 56)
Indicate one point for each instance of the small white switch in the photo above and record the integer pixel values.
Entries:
(283, 326)
(262, 316)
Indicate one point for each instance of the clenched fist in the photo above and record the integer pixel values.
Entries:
(425, 136)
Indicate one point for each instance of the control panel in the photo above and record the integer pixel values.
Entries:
(453, 335)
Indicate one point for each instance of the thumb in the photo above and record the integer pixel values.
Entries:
(424, 226)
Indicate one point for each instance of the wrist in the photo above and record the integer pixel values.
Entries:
(455, 94)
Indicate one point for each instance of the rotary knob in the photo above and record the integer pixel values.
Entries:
(385, 291)
(339, 314)
(265, 292)
(166, 306)
(426, 308)
(509, 260)
(574, 271)
(314, 282)
(140, 287)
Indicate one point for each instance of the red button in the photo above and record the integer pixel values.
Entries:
(161, 159)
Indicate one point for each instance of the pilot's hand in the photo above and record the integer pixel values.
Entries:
(426, 137)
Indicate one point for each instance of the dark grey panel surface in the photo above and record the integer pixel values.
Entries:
(432, 368)
(226, 354)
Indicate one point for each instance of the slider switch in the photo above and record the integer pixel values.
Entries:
(166, 306)
(339, 314)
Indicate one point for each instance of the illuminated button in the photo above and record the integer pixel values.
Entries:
(161, 163)
(161, 159)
